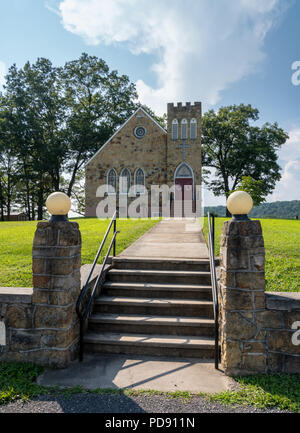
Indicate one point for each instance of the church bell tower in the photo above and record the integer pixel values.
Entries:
(184, 144)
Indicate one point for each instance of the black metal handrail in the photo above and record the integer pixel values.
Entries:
(214, 284)
(84, 314)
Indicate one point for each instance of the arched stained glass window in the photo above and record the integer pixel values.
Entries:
(125, 181)
(184, 129)
(139, 181)
(184, 171)
(193, 129)
(175, 129)
(112, 181)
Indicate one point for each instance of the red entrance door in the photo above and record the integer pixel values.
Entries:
(184, 188)
(183, 194)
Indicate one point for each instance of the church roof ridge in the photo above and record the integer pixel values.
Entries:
(119, 129)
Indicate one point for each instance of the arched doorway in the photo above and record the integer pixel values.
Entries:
(184, 186)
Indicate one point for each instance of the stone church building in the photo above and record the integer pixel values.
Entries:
(142, 153)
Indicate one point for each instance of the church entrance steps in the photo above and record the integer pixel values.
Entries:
(156, 298)
(156, 325)
(148, 290)
(154, 306)
(157, 276)
(145, 344)
(160, 264)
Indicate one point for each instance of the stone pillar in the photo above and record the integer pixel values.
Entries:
(242, 298)
(56, 266)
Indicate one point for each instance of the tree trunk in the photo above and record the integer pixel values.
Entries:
(1, 202)
(8, 210)
(32, 209)
(40, 212)
(40, 202)
(72, 180)
(228, 214)
(55, 179)
(27, 205)
(27, 198)
(8, 202)
(227, 191)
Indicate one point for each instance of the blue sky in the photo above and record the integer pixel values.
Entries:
(220, 52)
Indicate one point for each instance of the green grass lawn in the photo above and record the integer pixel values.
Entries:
(16, 244)
(281, 391)
(282, 243)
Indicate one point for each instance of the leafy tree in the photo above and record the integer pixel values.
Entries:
(255, 188)
(54, 119)
(9, 175)
(34, 114)
(8, 182)
(98, 101)
(78, 192)
(14, 135)
(234, 148)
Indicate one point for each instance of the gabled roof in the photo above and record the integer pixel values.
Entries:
(119, 129)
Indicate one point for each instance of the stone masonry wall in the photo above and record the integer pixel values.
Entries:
(193, 152)
(255, 334)
(156, 153)
(41, 323)
(282, 331)
(16, 317)
(127, 151)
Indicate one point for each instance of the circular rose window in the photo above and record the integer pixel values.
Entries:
(140, 132)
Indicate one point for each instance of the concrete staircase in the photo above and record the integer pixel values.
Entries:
(154, 307)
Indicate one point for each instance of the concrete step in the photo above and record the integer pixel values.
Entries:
(157, 276)
(156, 325)
(145, 344)
(161, 264)
(152, 290)
(154, 306)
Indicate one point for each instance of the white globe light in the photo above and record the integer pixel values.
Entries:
(239, 203)
(58, 203)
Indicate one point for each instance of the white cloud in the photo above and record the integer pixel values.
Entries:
(52, 6)
(291, 149)
(2, 74)
(289, 158)
(289, 186)
(202, 46)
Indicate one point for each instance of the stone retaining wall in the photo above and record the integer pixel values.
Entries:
(256, 329)
(41, 324)
(282, 331)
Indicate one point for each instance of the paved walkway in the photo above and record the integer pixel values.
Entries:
(140, 372)
(171, 238)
